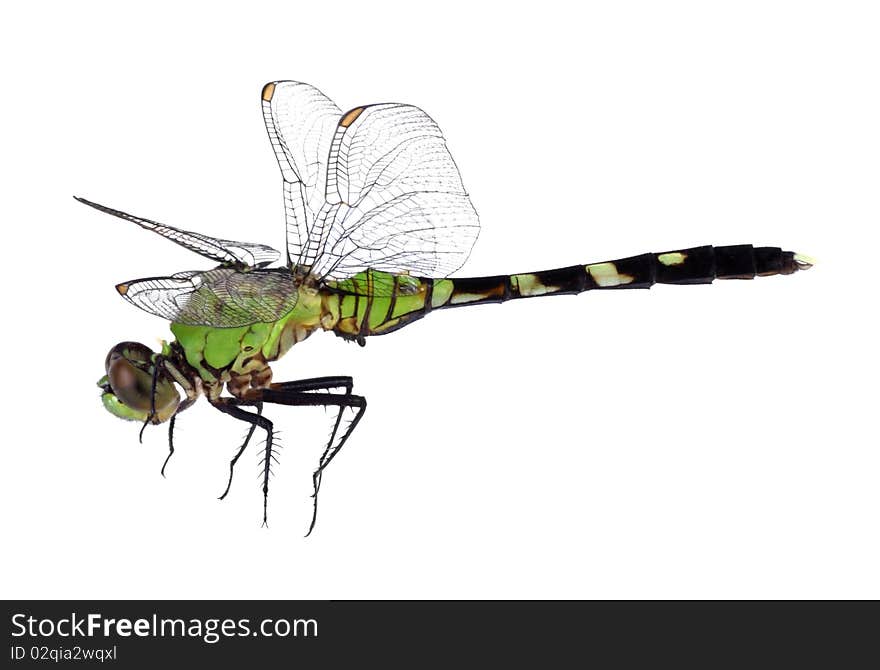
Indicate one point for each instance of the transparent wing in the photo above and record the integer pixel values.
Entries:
(221, 298)
(300, 121)
(222, 251)
(394, 199)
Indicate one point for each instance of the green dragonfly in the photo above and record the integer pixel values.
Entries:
(377, 219)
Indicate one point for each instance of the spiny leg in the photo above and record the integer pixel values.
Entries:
(315, 384)
(324, 384)
(321, 384)
(282, 394)
(231, 406)
(241, 449)
(329, 452)
(295, 393)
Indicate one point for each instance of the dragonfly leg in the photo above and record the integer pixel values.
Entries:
(358, 403)
(321, 384)
(316, 384)
(232, 407)
(186, 403)
(241, 449)
(170, 444)
(325, 383)
(157, 363)
(289, 393)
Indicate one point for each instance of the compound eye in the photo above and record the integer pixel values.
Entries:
(131, 385)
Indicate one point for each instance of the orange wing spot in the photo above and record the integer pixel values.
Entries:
(349, 117)
(268, 91)
(122, 288)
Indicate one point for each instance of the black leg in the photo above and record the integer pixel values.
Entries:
(231, 406)
(170, 443)
(281, 395)
(360, 404)
(324, 383)
(316, 384)
(301, 393)
(156, 363)
(241, 449)
(143, 428)
(186, 403)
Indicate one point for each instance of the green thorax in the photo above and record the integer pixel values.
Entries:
(239, 350)
(369, 303)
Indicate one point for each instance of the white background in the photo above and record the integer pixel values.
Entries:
(681, 442)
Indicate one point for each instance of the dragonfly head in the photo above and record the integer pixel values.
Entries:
(128, 389)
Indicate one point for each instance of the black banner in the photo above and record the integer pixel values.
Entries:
(413, 633)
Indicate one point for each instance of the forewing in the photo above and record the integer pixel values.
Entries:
(222, 251)
(394, 200)
(300, 121)
(220, 298)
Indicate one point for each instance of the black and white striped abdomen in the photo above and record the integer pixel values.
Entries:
(699, 265)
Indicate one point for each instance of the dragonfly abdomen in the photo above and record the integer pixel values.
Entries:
(699, 265)
(409, 301)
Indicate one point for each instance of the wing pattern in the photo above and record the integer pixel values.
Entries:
(300, 121)
(221, 298)
(222, 251)
(372, 189)
(388, 196)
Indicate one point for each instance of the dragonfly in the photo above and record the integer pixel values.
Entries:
(377, 220)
